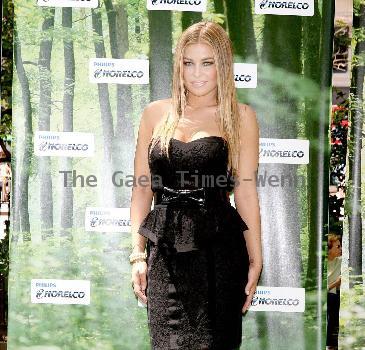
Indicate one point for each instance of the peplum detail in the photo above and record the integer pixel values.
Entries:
(191, 228)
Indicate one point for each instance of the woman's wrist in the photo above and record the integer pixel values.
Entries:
(138, 261)
(256, 264)
(138, 248)
(137, 256)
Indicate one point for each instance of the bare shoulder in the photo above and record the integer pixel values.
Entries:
(248, 121)
(155, 110)
(246, 111)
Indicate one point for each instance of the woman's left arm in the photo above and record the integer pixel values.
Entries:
(246, 197)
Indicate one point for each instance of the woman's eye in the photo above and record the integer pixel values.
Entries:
(204, 63)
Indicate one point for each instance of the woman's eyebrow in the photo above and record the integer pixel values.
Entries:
(203, 59)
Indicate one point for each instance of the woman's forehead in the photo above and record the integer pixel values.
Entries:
(196, 49)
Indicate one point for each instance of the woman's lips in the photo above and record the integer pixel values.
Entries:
(198, 83)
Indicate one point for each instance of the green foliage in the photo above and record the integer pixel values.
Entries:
(358, 33)
(113, 321)
(358, 36)
(352, 318)
(211, 15)
(4, 255)
(113, 307)
(7, 34)
(341, 38)
(356, 6)
(272, 92)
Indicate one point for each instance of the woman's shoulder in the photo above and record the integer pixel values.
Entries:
(246, 110)
(248, 119)
(155, 110)
(155, 107)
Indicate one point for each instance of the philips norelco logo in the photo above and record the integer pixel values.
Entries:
(109, 73)
(63, 144)
(284, 151)
(119, 71)
(69, 3)
(264, 300)
(60, 291)
(44, 293)
(50, 146)
(282, 7)
(242, 77)
(245, 75)
(283, 4)
(177, 2)
(178, 5)
(281, 299)
(107, 219)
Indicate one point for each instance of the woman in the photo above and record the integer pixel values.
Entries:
(333, 290)
(202, 261)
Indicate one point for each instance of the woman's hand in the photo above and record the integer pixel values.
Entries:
(139, 280)
(335, 284)
(250, 289)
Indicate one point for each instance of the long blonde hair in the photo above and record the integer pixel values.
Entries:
(227, 106)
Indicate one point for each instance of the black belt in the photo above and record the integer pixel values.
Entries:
(201, 196)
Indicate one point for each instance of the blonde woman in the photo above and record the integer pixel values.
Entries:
(196, 259)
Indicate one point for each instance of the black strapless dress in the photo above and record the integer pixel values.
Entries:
(196, 252)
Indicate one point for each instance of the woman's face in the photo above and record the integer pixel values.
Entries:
(336, 249)
(199, 69)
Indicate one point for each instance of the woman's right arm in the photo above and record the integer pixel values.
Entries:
(142, 194)
(141, 201)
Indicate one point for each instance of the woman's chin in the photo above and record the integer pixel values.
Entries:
(199, 92)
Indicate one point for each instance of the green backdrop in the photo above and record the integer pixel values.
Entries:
(52, 91)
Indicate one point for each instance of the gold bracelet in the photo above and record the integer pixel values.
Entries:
(138, 260)
(137, 256)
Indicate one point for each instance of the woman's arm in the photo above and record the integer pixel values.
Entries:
(142, 194)
(335, 284)
(141, 200)
(246, 198)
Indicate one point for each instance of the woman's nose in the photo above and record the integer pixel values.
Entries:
(196, 70)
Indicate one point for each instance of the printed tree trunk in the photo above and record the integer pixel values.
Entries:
(68, 102)
(106, 115)
(118, 34)
(311, 33)
(357, 121)
(22, 191)
(322, 126)
(241, 32)
(160, 54)
(280, 204)
(242, 35)
(45, 91)
(124, 136)
(282, 49)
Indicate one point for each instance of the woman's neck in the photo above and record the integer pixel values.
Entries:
(196, 102)
(331, 257)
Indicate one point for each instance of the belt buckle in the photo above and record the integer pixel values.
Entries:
(170, 195)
